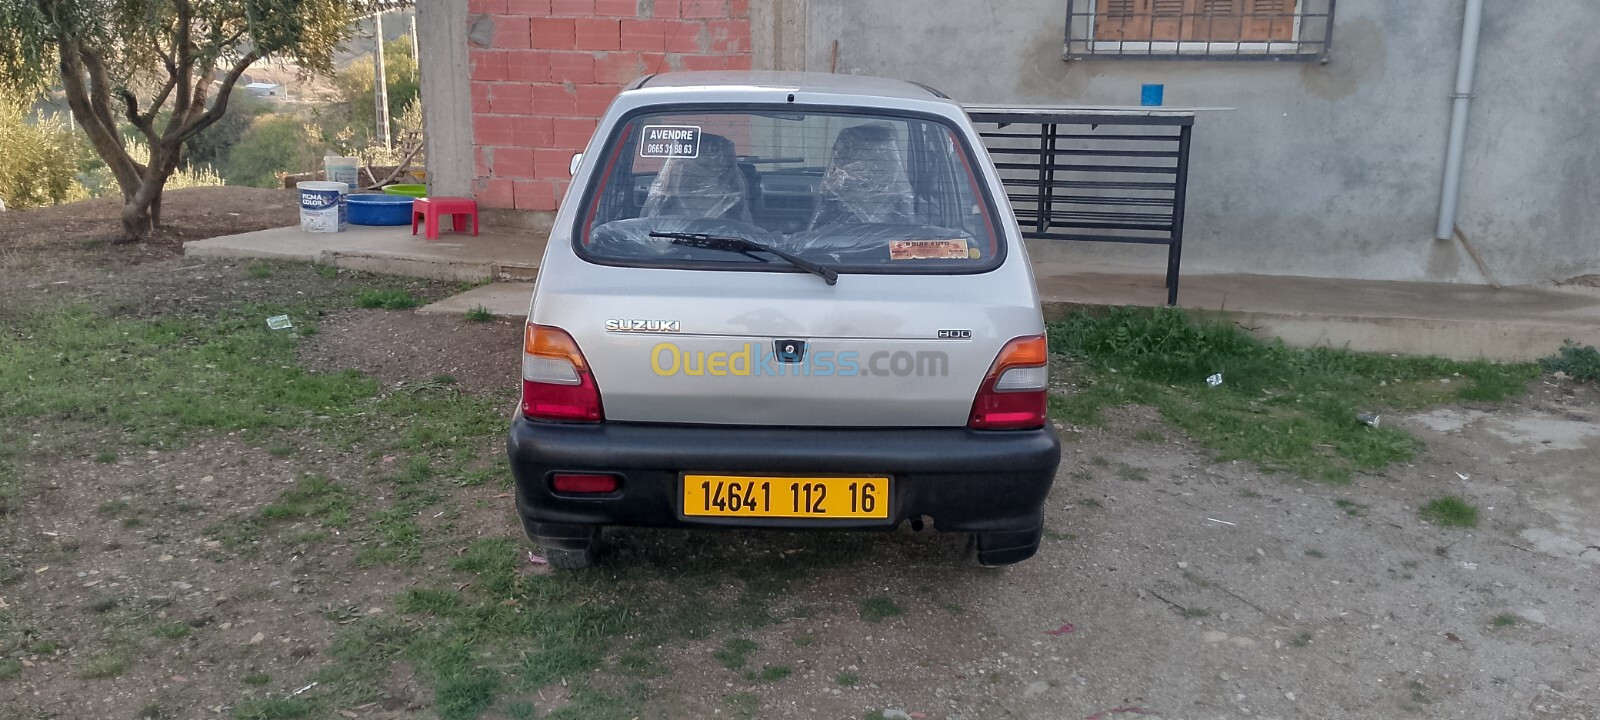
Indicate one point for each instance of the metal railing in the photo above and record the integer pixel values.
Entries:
(1298, 30)
(1094, 176)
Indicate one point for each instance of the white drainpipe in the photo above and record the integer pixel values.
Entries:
(1450, 195)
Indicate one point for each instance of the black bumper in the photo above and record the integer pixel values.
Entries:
(966, 480)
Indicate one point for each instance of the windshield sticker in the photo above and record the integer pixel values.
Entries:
(928, 250)
(670, 141)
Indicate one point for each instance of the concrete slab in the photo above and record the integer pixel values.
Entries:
(504, 299)
(393, 250)
(1452, 320)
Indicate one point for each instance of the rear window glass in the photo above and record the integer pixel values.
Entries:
(855, 192)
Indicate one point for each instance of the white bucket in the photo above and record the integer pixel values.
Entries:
(322, 206)
(337, 168)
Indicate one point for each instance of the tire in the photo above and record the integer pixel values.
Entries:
(999, 549)
(565, 547)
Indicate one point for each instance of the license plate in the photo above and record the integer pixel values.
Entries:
(756, 496)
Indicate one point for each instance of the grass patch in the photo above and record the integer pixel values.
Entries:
(1315, 553)
(314, 497)
(1287, 410)
(387, 299)
(847, 679)
(172, 631)
(1300, 639)
(479, 314)
(1505, 620)
(10, 669)
(257, 679)
(1581, 363)
(1350, 507)
(769, 673)
(105, 457)
(258, 270)
(735, 652)
(103, 666)
(1450, 511)
(879, 608)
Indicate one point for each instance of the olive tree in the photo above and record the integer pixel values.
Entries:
(165, 67)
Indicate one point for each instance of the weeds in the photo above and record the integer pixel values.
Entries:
(1450, 511)
(1581, 363)
(734, 653)
(1285, 409)
(387, 299)
(479, 314)
(1505, 620)
(878, 609)
(847, 679)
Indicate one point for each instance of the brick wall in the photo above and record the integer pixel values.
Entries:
(543, 71)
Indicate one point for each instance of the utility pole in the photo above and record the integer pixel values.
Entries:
(416, 52)
(380, 83)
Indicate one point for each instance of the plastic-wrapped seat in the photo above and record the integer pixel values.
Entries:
(707, 186)
(866, 180)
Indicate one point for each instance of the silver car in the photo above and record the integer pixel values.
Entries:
(784, 300)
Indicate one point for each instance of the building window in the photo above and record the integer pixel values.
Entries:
(1199, 29)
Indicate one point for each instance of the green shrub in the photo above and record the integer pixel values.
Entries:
(273, 144)
(1581, 363)
(39, 158)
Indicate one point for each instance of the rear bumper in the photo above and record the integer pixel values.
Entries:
(966, 480)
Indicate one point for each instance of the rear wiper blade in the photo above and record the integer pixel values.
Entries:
(741, 245)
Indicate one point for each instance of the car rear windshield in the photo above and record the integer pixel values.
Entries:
(874, 193)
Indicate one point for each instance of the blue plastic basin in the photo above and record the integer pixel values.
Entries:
(379, 209)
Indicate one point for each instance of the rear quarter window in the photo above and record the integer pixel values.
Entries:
(858, 192)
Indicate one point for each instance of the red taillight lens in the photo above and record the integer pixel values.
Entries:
(556, 382)
(1014, 393)
(583, 483)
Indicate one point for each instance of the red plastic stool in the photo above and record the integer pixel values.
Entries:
(429, 209)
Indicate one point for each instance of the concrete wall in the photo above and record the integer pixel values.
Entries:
(1325, 170)
(446, 113)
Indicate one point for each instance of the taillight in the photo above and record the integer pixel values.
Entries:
(1013, 395)
(556, 382)
(584, 483)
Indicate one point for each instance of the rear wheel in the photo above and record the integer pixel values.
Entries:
(998, 549)
(565, 547)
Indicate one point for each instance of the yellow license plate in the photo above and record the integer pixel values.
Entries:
(756, 496)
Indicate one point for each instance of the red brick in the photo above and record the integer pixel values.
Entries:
(535, 195)
(644, 35)
(617, 68)
(494, 192)
(510, 33)
(574, 132)
(551, 164)
(486, 6)
(598, 34)
(553, 100)
(554, 33)
(533, 131)
(560, 188)
(684, 36)
(510, 99)
(487, 64)
(729, 36)
(513, 162)
(528, 8)
(616, 8)
(656, 63)
(705, 8)
(572, 8)
(665, 9)
(480, 97)
(715, 62)
(739, 8)
(572, 67)
(594, 99)
(493, 130)
(528, 65)
(482, 159)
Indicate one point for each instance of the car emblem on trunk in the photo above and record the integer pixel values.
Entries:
(789, 351)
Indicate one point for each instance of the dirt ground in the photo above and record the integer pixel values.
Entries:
(1169, 585)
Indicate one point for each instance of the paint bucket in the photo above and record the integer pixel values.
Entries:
(322, 206)
(337, 168)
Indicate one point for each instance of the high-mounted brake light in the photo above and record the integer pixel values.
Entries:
(556, 382)
(1013, 395)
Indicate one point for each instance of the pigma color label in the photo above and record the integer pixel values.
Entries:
(670, 141)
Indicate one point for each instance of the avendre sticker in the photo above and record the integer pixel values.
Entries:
(670, 141)
(928, 250)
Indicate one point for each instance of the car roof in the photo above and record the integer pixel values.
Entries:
(831, 83)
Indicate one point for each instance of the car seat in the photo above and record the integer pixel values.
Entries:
(709, 185)
(865, 181)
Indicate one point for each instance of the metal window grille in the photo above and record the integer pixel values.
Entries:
(1199, 29)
